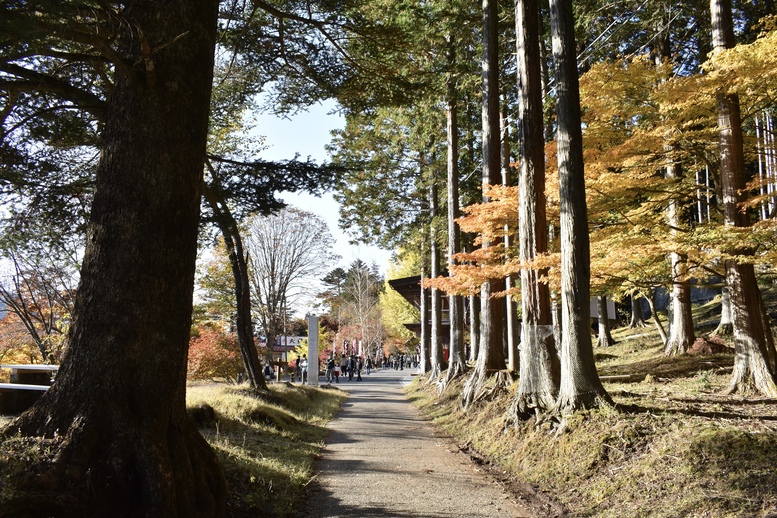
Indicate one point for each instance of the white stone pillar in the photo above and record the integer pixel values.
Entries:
(313, 350)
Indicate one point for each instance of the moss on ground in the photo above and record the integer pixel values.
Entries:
(672, 446)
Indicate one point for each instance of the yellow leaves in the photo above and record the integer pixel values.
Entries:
(748, 70)
(640, 119)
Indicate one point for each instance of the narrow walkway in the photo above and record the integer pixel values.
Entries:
(382, 460)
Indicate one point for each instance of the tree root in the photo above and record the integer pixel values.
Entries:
(482, 387)
(724, 329)
(455, 370)
(101, 463)
(526, 406)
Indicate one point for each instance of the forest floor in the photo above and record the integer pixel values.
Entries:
(673, 444)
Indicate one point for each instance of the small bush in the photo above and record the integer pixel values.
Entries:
(213, 354)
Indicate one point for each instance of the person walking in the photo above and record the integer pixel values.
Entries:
(330, 368)
(351, 367)
(359, 365)
(304, 368)
(368, 365)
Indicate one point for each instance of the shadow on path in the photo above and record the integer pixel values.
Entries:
(382, 460)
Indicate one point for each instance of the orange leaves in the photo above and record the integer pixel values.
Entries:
(213, 354)
(493, 219)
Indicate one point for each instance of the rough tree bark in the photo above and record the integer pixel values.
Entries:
(681, 332)
(580, 384)
(751, 365)
(116, 415)
(491, 358)
(539, 368)
(456, 363)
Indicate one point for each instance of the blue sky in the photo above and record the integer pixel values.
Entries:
(306, 134)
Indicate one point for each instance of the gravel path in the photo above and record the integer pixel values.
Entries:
(382, 460)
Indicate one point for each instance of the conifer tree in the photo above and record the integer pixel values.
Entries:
(490, 353)
(580, 385)
(751, 362)
(539, 376)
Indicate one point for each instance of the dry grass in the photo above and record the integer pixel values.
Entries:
(672, 446)
(266, 443)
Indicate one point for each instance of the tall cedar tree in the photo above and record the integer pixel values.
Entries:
(539, 367)
(490, 354)
(751, 364)
(116, 415)
(580, 385)
(436, 357)
(456, 363)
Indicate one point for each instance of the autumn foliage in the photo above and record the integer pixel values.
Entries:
(641, 117)
(213, 354)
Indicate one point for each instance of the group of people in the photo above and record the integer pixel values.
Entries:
(399, 361)
(346, 366)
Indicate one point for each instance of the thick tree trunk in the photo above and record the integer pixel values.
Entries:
(491, 359)
(539, 369)
(751, 363)
(580, 385)
(752, 369)
(637, 318)
(456, 363)
(605, 336)
(116, 414)
(491, 354)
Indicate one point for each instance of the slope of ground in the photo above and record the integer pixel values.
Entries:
(672, 446)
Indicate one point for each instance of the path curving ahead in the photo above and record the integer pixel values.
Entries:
(382, 460)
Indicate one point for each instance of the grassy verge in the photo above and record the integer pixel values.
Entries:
(672, 446)
(266, 444)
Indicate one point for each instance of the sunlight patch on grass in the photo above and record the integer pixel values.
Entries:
(673, 445)
(266, 442)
